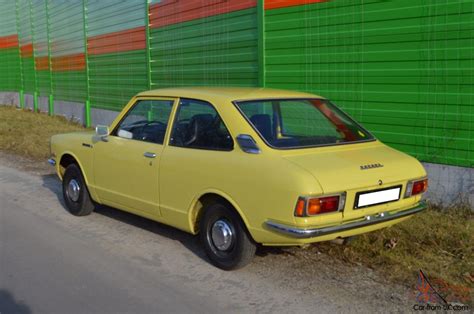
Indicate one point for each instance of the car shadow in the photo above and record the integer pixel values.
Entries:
(8, 304)
(189, 241)
(263, 251)
(52, 183)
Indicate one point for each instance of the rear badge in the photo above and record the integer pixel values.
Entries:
(371, 166)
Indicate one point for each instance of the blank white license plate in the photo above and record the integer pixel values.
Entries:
(378, 197)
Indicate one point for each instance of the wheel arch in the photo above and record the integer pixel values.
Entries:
(66, 159)
(208, 197)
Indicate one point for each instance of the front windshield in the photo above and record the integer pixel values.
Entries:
(296, 123)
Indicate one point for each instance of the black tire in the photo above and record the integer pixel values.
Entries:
(78, 204)
(241, 249)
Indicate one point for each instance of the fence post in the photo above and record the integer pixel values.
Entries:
(261, 42)
(50, 67)
(147, 36)
(87, 113)
(33, 55)
(21, 93)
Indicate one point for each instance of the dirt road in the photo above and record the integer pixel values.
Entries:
(112, 261)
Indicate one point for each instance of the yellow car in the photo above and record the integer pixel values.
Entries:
(240, 167)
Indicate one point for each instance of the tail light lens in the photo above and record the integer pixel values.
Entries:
(300, 207)
(312, 206)
(416, 187)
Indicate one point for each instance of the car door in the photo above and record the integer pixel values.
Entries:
(198, 157)
(126, 163)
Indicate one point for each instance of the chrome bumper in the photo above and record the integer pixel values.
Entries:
(52, 162)
(367, 221)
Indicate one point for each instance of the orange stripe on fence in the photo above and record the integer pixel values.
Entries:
(130, 39)
(170, 12)
(26, 51)
(75, 62)
(275, 4)
(10, 41)
(42, 63)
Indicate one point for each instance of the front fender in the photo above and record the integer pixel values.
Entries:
(86, 170)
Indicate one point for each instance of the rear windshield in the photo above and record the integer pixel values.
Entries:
(296, 123)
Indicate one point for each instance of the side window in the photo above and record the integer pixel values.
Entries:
(146, 121)
(262, 116)
(198, 125)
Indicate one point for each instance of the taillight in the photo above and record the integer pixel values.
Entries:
(311, 206)
(416, 187)
(300, 207)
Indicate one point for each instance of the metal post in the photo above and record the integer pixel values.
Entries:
(22, 98)
(87, 116)
(51, 97)
(32, 28)
(147, 35)
(35, 101)
(261, 42)
(51, 104)
(87, 113)
(21, 93)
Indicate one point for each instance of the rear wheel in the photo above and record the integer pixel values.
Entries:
(75, 193)
(225, 238)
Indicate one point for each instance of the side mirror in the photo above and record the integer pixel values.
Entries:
(102, 131)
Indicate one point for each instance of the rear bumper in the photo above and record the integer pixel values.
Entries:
(302, 233)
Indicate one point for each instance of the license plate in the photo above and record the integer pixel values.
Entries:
(364, 199)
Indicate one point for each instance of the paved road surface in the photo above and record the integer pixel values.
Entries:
(110, 261)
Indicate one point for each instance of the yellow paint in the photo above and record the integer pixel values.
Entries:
(261, 186)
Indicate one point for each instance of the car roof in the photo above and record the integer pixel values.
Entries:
(226, 93)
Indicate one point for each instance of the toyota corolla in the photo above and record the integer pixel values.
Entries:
(240, 167)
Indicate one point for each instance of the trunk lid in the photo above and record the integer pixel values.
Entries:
(359, 168)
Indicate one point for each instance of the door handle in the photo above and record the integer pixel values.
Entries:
(149, 155)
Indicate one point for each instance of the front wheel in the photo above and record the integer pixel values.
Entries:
(225, 238)
(76, 196)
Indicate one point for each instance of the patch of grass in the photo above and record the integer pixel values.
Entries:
(27, 133)
(438, 241)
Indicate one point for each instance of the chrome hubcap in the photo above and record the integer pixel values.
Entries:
(222, 236)
(73, 190)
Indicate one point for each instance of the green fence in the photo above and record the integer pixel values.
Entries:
(403, 68)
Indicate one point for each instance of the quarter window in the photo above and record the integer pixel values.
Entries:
(198, 125)
(146, 121)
